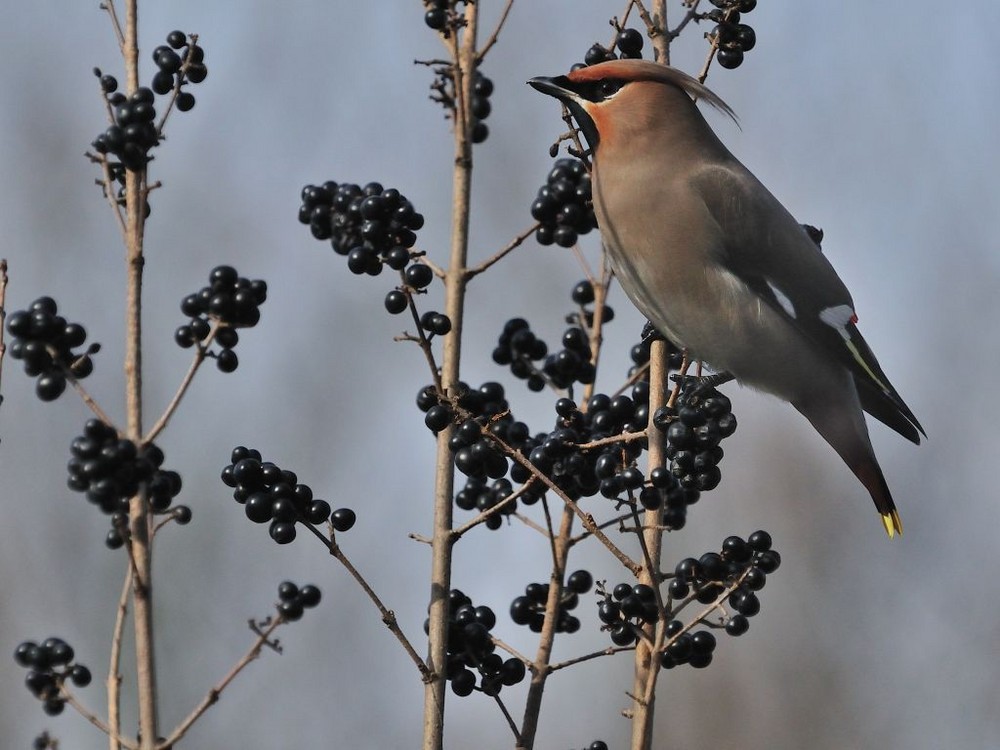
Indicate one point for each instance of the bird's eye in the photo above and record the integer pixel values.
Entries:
(609, 86)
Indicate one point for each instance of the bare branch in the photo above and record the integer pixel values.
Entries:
(496, 33)
(388, 616)
(500, 254)
(213, 694)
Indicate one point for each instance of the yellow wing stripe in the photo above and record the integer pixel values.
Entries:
(864, 365)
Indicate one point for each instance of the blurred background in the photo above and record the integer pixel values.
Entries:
(876, 124)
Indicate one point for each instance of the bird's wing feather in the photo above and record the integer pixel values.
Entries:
(776, 258)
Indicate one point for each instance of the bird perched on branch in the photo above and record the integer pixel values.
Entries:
(719, 266)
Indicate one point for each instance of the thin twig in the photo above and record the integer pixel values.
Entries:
(553, 542)
(504, 646)
(510, 719)
(388, 616)
(609, 651)
(89, 400)
(691, 15)
(199, 357)
(500, 254)
(618, 25)
(616, 521)
(588, 520)
(422, 340)
(86, 713)
(109, 6)
(495, 35)
(531, 524)
(498, 508)
(429, 262)
(110, 194)
(540, 670)
(213, 694)
(635, 377)
(622, 437)
(114, 681)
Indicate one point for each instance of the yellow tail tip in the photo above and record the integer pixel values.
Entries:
(892, 523)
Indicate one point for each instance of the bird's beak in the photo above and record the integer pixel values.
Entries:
(561, 88)
(552, 86)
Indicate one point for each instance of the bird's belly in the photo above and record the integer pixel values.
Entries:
(720, 321)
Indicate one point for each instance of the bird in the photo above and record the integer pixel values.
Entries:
(719, 266)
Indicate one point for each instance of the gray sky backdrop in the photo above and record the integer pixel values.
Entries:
(875, 121)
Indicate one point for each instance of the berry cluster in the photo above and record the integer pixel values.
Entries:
(583, 295)
(229, 300)
(482, 89)
(571, 364)
(110, 469)
(179, 61)
(371, 225)
(731, 37)
(704, 418)
(470, 647)
(563, 205)
(270, 494)
(530, 609)
(293, 600)
(476, 455)
(480, 496)
(745, 562)
(133, 132)
(520, 348)
(625, 611)
(685, 647)
(476, 411)
(597, 745)
(49, 665)
(374, 227)
(44, 341)
(44, 741)
(583, 473)
(666, 492)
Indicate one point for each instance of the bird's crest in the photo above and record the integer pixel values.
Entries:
(644, 70)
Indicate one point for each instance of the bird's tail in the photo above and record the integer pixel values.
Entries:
(842, 424)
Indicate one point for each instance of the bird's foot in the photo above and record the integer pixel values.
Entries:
(649, 333)
(695, 386)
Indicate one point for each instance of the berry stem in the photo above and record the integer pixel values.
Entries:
(540, 669)
(88, 399)
(503, 252)
(388, 616)
(463, 56)
(116, 740)
(199, 356)
(651, 540)
(213, 694)
(139, 517)
(496, 33)
(114, 681)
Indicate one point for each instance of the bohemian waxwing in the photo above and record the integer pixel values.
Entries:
(719, 266)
